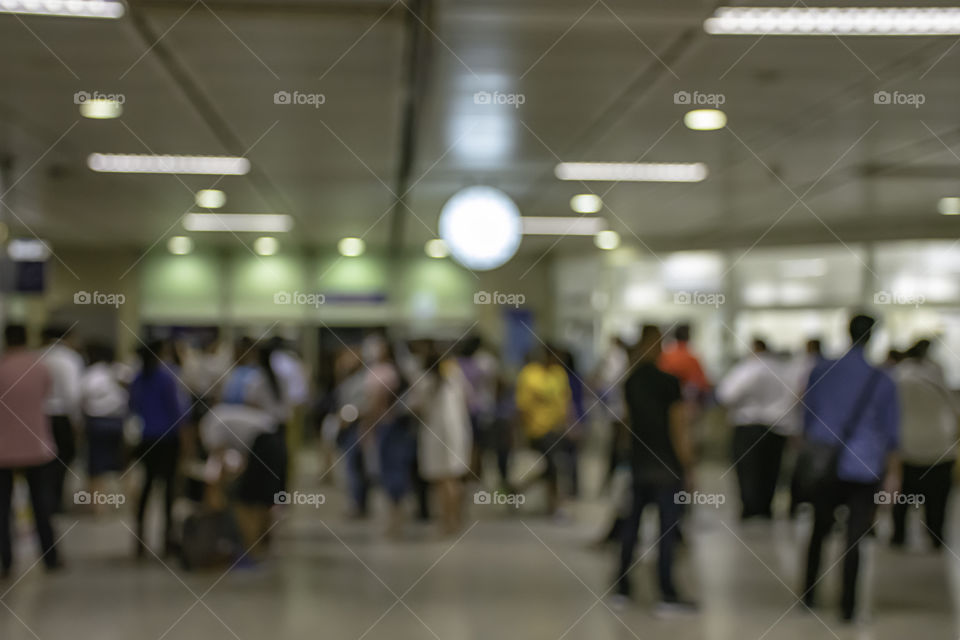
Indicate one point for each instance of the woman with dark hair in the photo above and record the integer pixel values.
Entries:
(155, 397)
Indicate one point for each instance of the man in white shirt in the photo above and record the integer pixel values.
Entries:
(63, 403)
(753, 393)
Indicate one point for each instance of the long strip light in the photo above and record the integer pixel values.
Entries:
(847, 21)
(64, 8)
(632, 171)
(238, 222)
(561, 226)
(140, 163)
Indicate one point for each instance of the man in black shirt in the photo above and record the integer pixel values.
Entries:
(661, 457)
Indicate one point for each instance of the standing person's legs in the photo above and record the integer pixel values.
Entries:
(747, 461)
(66, 441)
(148, 456)
(862, 505)
(6, 539)
(670, 514)
(170, 462)
(770, 458)
(41, 499)
(356, 470)
(937, 487)
(629, 532)
(547, 446)
(909, 486)
(824, 506)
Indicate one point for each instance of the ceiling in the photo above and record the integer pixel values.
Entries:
(807, 155)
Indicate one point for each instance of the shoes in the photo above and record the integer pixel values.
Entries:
(675, 608)
(620, 602)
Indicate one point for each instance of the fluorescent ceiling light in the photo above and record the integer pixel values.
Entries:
(101, 109)
(211, 198)
(28, 250)
(803, 268)
(607, 240)
(586, 203)
(847, 21)
(632, 171)
(705, 119)
(561, 226)
(437, 248)
(179, 245)
(240, 222)
(949, 206)
(266, 245)
(351, 247)
(140, 163)
(66, 8)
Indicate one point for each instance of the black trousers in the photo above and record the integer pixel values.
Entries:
(66, 441)
(160, 458)
(664, 497)
(934, 484)
(758, 452)
(860, 501)
(39, 480)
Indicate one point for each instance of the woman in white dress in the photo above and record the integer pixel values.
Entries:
(445, 439)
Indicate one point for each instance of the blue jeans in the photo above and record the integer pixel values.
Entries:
(357, 483)
(397, 446)
(663, 497)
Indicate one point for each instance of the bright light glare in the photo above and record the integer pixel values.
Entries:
(481, 226)
(851, 21)
(266, 245)
(351, 247)
(436, 248)
(141, 163)
(562, 226)
(211, 198)
(28, 250)
(607, 240)
(179, 245)
(586, 203)
(632, 171)
(705, 119)
(949, 206)
(238, 222)
(101, 109)
(66, 8)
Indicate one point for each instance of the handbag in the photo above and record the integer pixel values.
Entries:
(817, 462)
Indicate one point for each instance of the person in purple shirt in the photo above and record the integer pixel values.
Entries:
(851, 403)
(155, 397)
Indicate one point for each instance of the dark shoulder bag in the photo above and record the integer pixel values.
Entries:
(817, 462)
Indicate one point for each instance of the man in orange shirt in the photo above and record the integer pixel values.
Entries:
(678, 361)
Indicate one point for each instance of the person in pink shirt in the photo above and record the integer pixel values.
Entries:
(26, 443)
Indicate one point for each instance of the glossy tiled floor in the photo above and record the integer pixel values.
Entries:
(511, 575)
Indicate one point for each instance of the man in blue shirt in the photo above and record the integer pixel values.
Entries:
(853, 405)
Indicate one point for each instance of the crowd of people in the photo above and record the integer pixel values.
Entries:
(418, 420)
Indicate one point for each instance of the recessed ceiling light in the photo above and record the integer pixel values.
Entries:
(705, 119)
(211, 198)
(632, 171)
(141, 163)
(101, 109)
(179, 245)
(351, 247)
(436, 248)
(64, 8)
(586, 203)
(949, 206)
(848, 21)
(561, 226)
(239, 222)
(266, 245)
(607, 240)
(481, 226)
